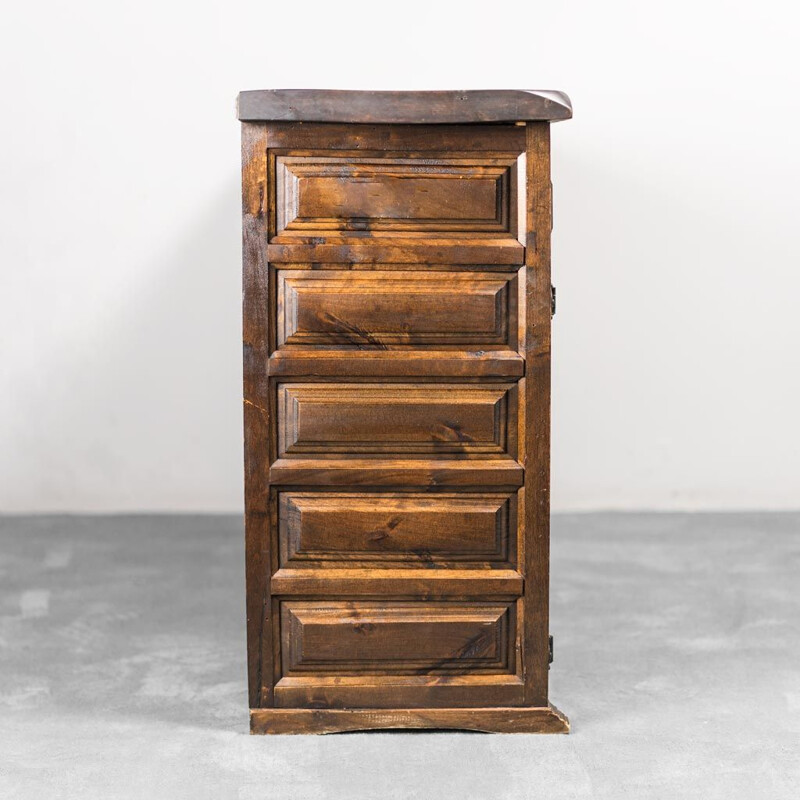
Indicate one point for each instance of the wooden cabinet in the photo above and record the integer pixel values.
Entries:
(397, 307)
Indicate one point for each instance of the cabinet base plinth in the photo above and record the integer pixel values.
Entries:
(543, 719)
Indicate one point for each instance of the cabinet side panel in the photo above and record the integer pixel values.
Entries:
(537, 414)
(255, 327)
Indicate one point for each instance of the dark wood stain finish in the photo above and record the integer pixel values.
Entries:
(396, 638)
(437, 107)
(392, 193)
(373, 311)
(397, 409)
(494, 719)
(386, 419)
(396, 528)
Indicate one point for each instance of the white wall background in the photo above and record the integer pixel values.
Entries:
(676, 247)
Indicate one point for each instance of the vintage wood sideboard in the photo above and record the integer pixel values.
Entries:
(397, 309)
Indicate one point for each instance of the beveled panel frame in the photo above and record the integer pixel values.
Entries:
(394, 192)
(373, 529)
(378, 637)
(382, 310)
(305, 410)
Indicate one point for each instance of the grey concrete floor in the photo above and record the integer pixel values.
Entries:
(677, 658)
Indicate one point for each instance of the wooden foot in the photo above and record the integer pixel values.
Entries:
(546, 719)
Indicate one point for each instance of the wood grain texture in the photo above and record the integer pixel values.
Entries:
(397, 390)
(453, 582)
(418, 363)
(536, 405)
(396, 638)
(425, 107)
(396, 418)
(257, 416)
(396, 192)
(388, 310)
(339, 194)
(546, 719)
(414, 140)
(425, 473)
(486, 252)
(445, 690)
(390, 528)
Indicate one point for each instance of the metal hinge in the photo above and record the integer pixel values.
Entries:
(552, 301)
(550, 639)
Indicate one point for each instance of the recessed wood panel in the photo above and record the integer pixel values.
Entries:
(395, 527)
(347, 637)
(383, 310)
(433, 419)
(394, 193)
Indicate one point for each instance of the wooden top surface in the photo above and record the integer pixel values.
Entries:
(428, 108)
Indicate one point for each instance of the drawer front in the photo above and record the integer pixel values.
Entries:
(414, 419)
(395, 637)
(383, 310)
(325, 192)
(387, 528)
